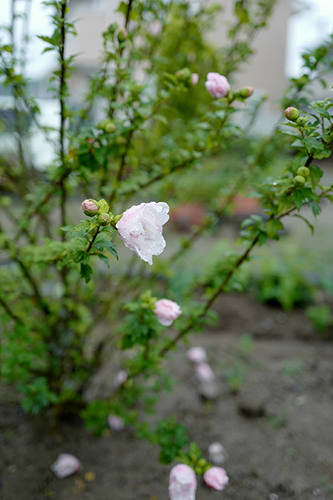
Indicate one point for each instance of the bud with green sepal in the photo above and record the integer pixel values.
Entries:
(184, 75)
(104, 219)
(301, 121)
(303, 171)
(122, 35)
(246, 92)
(299, 180)
(292, 114)
(90, 207)
(107, 126)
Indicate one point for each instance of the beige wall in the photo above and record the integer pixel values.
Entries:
(265, 71)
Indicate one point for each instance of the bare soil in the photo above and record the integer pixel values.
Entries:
(277, 429)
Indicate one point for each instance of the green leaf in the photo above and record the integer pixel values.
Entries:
(272, 228)
(306, 221)
(104, 259)
(316, 174)
(86, 272)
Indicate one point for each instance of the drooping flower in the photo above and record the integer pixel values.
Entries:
(140, 228)
(65, 465)
(167, 311)
(216, 478)
(115, 423)
(204, 372)
(217, 85)
(197, 355)
(182, 483)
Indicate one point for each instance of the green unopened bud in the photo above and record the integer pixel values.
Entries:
(184, 75)
(292, 114)
(301, 121)
(107, 126)
(202, 462)
(246, 92)
(299, 180)
(122, 35)
(303, 171)
(104, 219)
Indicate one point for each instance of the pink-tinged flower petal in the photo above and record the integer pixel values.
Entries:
(217, 453)
(116, 423)
(197, 355)
(121, 377)
(140, 228)
(204, 372)
(65, 465)
(182, 483)
(216, 478)
(167, 311)
(194, 79)
(217, 85)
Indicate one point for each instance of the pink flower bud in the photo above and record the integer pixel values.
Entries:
(217, 453)
(65, 465)
(292, 113)
(194, 79)
(121, 377)
(167, 311)
(216, 478)
(115, 423)
(217, 85)
(197, 355)
(89, 207)
(140, 228)
(182, 483)
(204, 372)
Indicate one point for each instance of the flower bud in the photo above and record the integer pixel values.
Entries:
(65, 465)
(194, 79)
(301, 121)
(299, 180)
(216, 478)
(115, 423)
(107, 126)
(303, 171)
(104, 219)
(197, 355)
(122, 35)
(182, 483)
(292, 114)
(246, 92)
(89, 207)
(184, 75)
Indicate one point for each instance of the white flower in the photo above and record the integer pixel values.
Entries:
(140, 228)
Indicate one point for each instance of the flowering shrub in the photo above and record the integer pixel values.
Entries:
(64, 298)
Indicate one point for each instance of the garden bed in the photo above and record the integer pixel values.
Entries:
(273, 415)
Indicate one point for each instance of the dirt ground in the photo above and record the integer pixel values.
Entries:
(277, 430)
